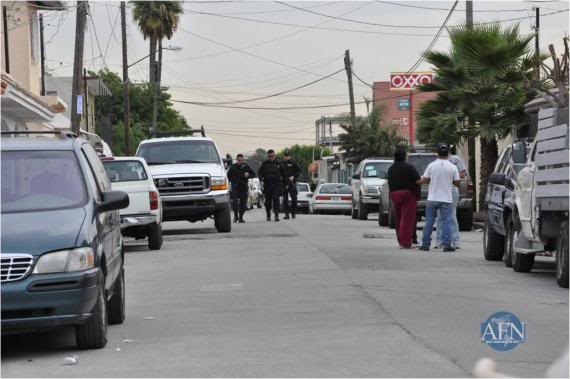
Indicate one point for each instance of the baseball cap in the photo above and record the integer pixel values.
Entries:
(442, 148)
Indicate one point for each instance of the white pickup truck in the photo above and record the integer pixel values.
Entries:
(143, 217)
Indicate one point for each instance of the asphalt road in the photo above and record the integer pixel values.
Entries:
(319, 296)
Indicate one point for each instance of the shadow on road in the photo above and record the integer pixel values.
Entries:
(52, 341)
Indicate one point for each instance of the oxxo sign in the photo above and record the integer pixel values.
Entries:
(401, 81)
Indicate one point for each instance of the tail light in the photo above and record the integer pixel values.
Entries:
(349, 197)
(322, 197)
(470, 187)
(153, 198)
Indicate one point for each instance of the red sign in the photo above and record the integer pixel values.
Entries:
(401, 81)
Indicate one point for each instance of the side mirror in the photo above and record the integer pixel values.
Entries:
(356, 176)
(309, 195)
(497, 178)
(113, 200)
(519, 153)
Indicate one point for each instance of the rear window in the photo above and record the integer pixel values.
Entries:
(171, 152)
(420, 162)
(303, 188)
(125, 171)
(335, 189)
(376, 170)
(41, 181)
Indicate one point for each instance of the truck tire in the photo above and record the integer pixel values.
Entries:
(391, 218)
(354, 211)
(509, 240)
(93, 333)
(523, 262)
(116, 305)
(382, 216)
(562, 256)
(465, 220)
(223, 220)
(155, 237)
(362, 211)
(493, 244)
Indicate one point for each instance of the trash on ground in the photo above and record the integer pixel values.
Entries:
(71, 360)
(118, 349)
(479, 230)
(127, 341)
(149, 318)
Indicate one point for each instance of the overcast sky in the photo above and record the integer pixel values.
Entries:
(226, 56)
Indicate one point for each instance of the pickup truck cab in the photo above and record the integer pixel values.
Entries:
(143, 217)
(191, 178)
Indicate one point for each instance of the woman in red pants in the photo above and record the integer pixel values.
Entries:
(404, 194)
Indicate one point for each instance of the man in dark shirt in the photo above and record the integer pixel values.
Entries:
(272, 175)
(239, 174)
(404, 194)
(292, 172)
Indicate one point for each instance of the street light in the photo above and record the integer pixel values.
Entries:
(171, 48)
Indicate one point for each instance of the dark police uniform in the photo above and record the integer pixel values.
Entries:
(239, 191)
(291, 169)
(273, 177)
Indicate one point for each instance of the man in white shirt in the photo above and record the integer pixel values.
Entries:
(441, 175)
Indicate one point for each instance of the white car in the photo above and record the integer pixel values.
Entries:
(303, 197)
(255, 194)
(143, 217)
(370, 185)
(331, 197)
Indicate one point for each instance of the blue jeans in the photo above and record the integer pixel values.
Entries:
(445, 211)
(454, 224)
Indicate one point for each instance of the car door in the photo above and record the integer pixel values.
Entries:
(108, 223)
(525, 195)
(496, 193)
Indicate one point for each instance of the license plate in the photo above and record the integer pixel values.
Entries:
(336, 198)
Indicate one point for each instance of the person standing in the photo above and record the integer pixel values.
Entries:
(292, 172)
(441, 175)
(272, 175)
(455, 240)
(239, 174)
(403, 181)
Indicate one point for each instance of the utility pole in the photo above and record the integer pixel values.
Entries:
(157, 87)
(348, 68)
(43, 55)
(85, 100)
(126, 105)
(471, 146)
(82, 8)
(536, 44)
(330, 132)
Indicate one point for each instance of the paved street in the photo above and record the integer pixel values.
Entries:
(320, 296)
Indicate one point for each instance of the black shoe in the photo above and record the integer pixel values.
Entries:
(268, 217)
(415, 242)
(241, 221)
(236, 219)
(448, 249)
(424, 248)
(276, 217)
(293, 214)
(286, 216)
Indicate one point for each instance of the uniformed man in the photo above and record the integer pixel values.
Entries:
(273, 177)
(239, 174)
(292, 172)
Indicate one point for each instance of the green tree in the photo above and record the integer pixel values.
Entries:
(141, 100)
(303, 156)
(482, 84)
(369, 138)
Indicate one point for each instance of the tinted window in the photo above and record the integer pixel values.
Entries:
(125, 171)
(335, 189)
(420, 162)
(376, 170)
(303, 188)
(179, 152)
(40, 181)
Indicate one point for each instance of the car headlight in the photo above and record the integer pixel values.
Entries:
(371, 190)
(218, 183)
(65, 261)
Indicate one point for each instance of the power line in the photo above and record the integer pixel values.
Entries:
(278, 10)
(97, 40)
(362, 81)
(445, 9)
(257, 136)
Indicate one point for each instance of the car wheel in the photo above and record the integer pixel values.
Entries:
(382, 215)
(465, 220)
(223, 220)
(509, 241)
(93, 333)
(493, 244)
(155, 237)
(362, 211)
(562, 256)
(117, 303)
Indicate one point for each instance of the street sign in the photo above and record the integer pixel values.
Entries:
(403, 104)
(401, 81)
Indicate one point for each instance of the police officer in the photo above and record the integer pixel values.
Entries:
(273, 177)
(239, 174)
(292, 172)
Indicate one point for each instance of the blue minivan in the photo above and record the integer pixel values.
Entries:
(61, 245)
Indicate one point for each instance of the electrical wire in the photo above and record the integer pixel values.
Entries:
(362, 81)
(97, 40)
(445, 9)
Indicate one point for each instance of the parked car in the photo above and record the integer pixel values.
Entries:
(62, 251)
(367, 184)
(331, 197)
(303, 197)
(420, 161)
(255, 194)
(191, 179)
(143, 217)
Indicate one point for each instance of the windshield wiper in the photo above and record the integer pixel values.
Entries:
(157, 163)
(189, 161)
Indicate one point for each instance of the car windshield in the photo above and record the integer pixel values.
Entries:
(125, 171)
(335, 189)
(376, 169)
(420, 162)
(41, 181)
(303, 188)
(169, 152)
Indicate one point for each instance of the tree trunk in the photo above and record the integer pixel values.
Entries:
(152, 61)
(489, 156)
